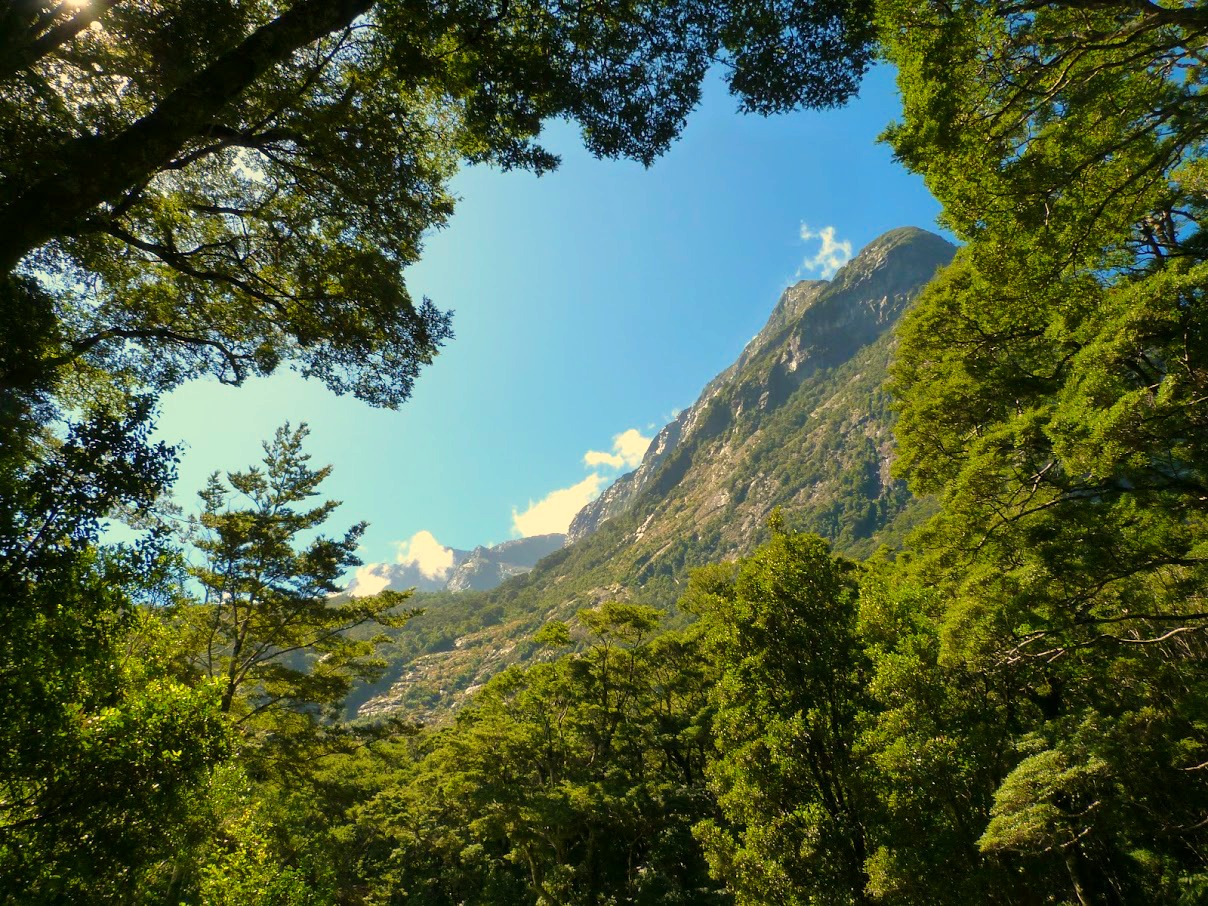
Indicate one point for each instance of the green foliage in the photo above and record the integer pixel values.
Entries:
(847, 759)
(101, 745)
(787, 776)
(1051, 380)
(206, 187)
(1050, 387)
(267, 633)
(95, 822)
(575, 781)
(1045, 804)
(937, 738)
(231, 852)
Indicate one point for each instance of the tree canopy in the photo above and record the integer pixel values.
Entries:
(1051, 390)
(206, 187)
(1051, 382)
(1013, 709)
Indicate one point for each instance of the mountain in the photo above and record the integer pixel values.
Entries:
(457, 570)
(815, 325)
(486, 567)
(801, 421)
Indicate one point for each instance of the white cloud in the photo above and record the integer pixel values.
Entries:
(427, 554)
(556, 509)
(593, 458)
(369, 580)
(628, 448)
(831, 255)
(632, 445)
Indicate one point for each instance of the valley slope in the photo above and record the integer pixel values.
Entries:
(800, 421)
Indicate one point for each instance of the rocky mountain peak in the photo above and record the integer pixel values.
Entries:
(815, 324)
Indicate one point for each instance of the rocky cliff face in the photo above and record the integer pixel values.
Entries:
(800, 421)
(815, 324)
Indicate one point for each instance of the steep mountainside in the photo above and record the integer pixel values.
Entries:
(815, 325)
(800, 421)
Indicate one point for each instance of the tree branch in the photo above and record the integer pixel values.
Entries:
(91, 172)
(179, 261)
(80, 347)
(55, 37)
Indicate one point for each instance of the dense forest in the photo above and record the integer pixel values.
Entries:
(1010, 706)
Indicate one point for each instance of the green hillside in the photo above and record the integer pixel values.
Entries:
(801, 421)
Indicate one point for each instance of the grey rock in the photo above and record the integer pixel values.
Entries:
(815, 324)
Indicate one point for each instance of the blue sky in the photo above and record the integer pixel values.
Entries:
(590, 302)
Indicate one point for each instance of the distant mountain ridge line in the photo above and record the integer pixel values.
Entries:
(475, 570)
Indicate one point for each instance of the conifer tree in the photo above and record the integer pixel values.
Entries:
(283, 651)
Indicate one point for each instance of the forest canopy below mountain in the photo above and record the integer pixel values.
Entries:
(1012, 709)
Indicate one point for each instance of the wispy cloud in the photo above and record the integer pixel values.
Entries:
(425, 553)
(831, 256)
(628, 448)
(553, 512)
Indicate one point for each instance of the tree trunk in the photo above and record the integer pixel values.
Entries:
(92, 170)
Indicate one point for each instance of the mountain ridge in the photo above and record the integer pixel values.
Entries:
(801, 420)
(479, 569)
(787, 317)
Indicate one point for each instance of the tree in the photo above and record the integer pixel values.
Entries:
(282, 652)
(575, 781)
(939, 740)
(1051, 387)
(202, 186)
(1051, 382)
(786, 773)
(103, 748)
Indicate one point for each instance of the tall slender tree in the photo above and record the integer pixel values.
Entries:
(282, 650)
(787, 775)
